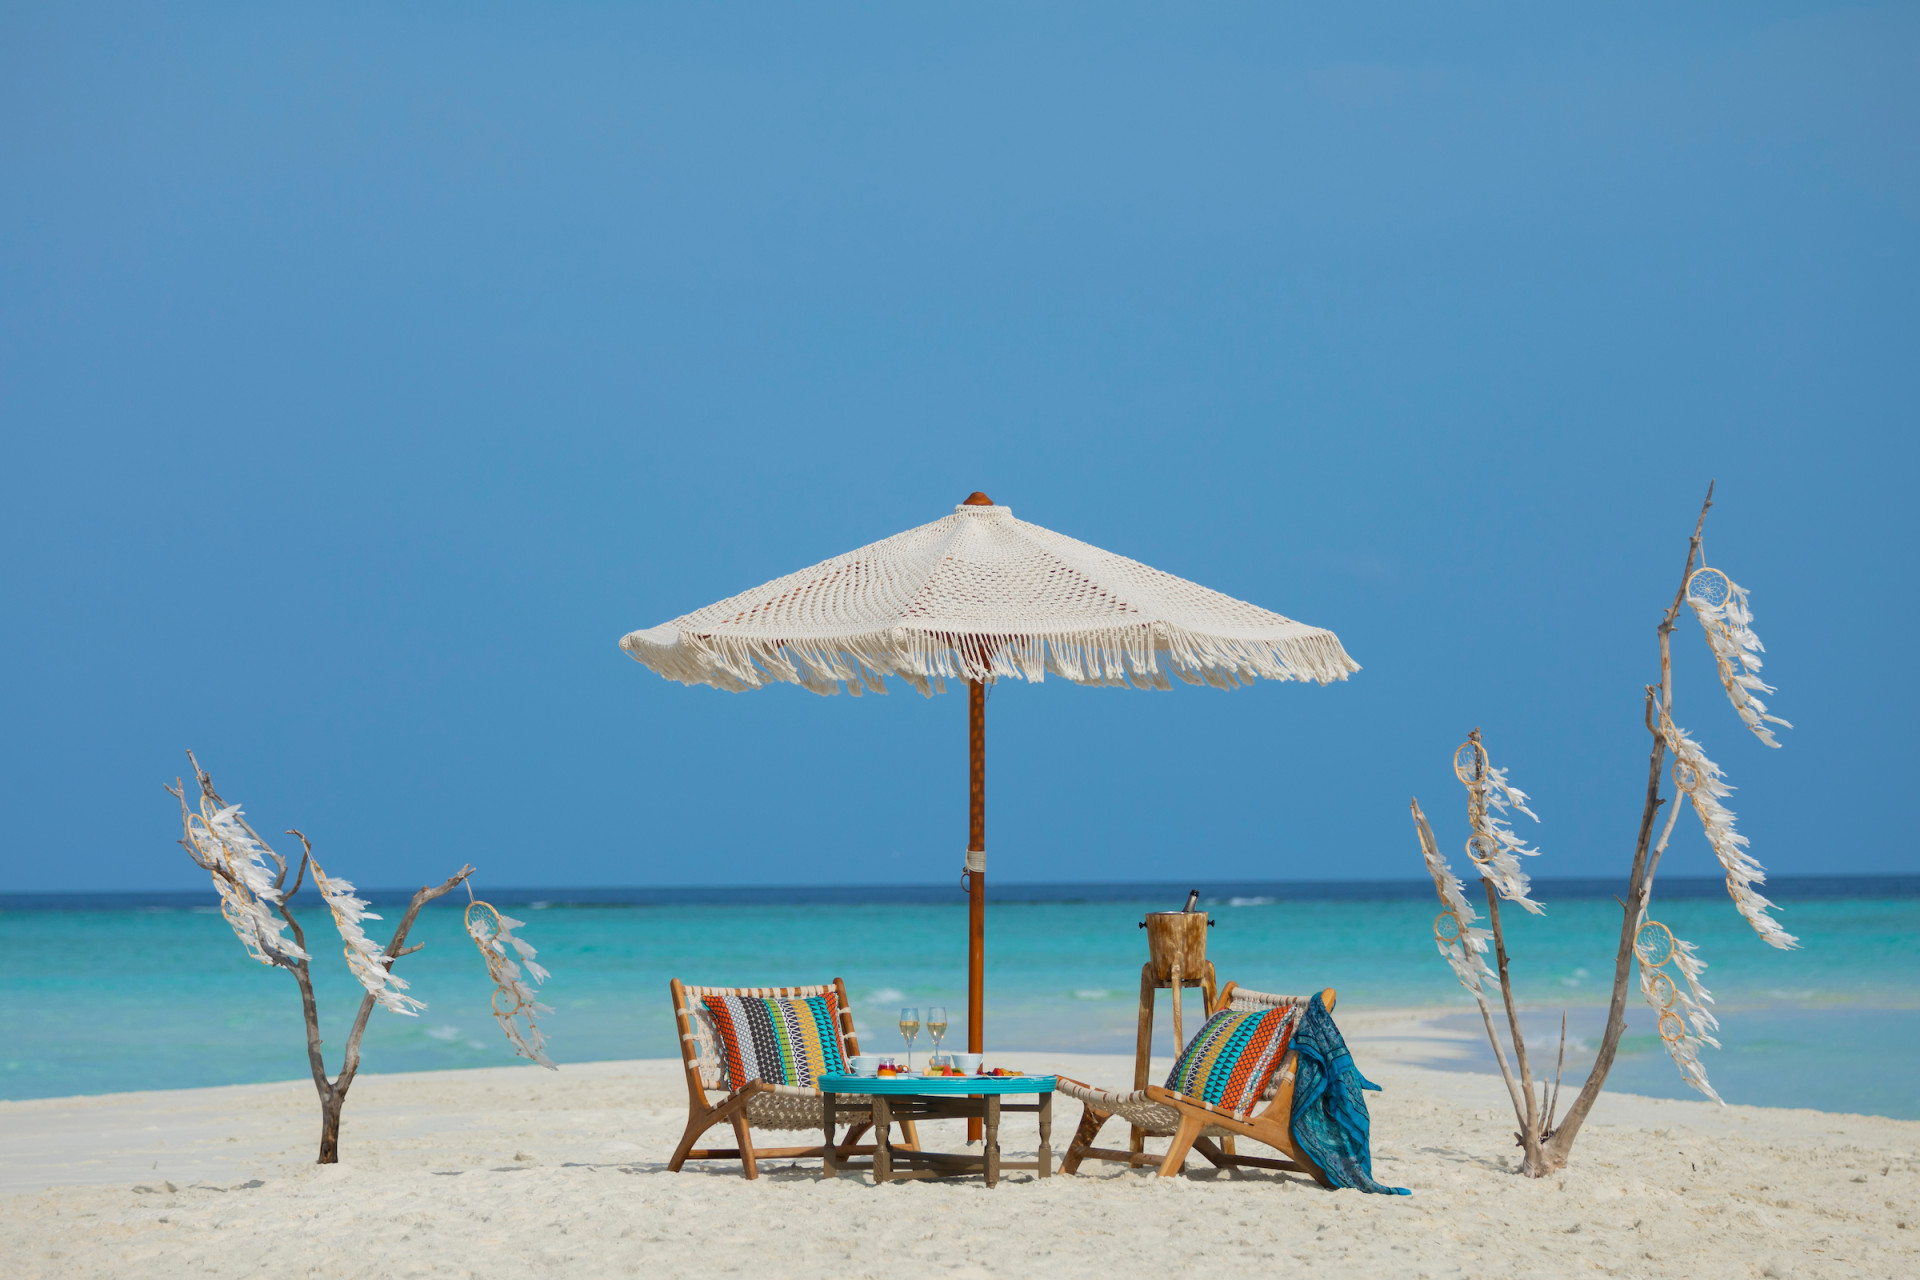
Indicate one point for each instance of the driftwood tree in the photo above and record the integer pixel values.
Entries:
(251, 880)
(1670, 969)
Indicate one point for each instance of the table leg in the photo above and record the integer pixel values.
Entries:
(882, 1149)
(828, 1167)
(1143, 1049)
(992, 1144)
(1046, 1135)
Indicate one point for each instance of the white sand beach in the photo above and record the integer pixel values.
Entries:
(518, 1171)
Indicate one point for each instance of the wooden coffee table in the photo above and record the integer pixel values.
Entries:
(895, 1098)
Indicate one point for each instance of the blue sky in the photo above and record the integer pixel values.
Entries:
(366, 373)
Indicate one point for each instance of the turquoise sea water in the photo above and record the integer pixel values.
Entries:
(116, 994)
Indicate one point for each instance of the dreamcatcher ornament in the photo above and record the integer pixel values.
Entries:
(1494, 846)
(365, 957)
(1680, 1006)
(221, 838)
(1461, 943)
(514, 1001)
(1721, 605)
(1703, 784)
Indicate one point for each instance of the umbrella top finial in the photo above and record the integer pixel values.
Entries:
(977, 499)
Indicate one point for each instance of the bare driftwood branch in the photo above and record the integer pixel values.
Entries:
(316, 1060)
(1553, 1103)
(1554, 1154)
(332, 1092)
(305, 857)
(421, 898)
(1530, 1116)
(1684, 1023)
(179, 792)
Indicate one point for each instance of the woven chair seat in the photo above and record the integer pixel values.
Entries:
(1137, 1109)
(787, 1106)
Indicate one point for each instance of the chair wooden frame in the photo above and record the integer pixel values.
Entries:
(736, 1107)
(1197, 1119)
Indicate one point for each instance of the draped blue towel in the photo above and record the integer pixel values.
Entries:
(1329, 1115)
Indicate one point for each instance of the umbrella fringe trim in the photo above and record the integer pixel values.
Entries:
(1141, 657)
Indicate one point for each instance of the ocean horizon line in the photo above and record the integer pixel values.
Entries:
(1168, 894)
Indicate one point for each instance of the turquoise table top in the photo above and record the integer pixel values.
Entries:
(959, 1086)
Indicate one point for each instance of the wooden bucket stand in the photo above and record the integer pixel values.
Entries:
(1177, 959)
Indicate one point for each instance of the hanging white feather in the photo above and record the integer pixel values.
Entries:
(1494, 846)
(222, 839)
(514, 1000)
(1727, 619)
(1704, 785)
(365, 957)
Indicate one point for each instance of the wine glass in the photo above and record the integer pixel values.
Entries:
(909, 1028)
(937, 1027)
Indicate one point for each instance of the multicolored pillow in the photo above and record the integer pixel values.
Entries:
(1231, 1061)
(779, 1039)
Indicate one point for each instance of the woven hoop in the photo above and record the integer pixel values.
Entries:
(1660, 989)
(1709, 587)
(1470, 763)
(466, 917)
(1653, 943)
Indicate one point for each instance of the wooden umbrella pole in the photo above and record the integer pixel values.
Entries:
(976, 875)
(976, 852)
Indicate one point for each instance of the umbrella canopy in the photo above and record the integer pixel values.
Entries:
(979, 595)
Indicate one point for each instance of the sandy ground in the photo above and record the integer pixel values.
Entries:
(516, 1171)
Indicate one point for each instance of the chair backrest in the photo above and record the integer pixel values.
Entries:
(1241, 999)
(700, 1042)
(1235, 996)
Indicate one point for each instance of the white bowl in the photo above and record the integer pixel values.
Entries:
(865, 1064)
(967, 1062)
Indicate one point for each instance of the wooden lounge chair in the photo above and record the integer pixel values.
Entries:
(1192, 1124)
(759, 1105)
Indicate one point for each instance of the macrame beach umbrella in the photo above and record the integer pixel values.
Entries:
(980, 596)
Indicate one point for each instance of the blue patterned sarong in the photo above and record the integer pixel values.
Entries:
(1329, 1121)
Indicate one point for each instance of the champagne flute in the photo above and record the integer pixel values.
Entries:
(909, 1028)
(937, 1027)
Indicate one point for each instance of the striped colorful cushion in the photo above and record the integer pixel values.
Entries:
(779, 1039)
(1231, 1061)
